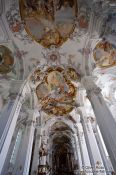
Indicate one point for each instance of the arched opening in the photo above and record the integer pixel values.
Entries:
(63, 156)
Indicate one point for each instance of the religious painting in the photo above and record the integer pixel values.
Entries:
(56, 93)
(83, 17)
(49, 22)
(73, 75)
(104, 54)
(60, 126)
(6, 60)
(83, 22)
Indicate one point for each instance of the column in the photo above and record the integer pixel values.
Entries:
(11, 124)
(5, 120)
(23, 159)
(8, 164)
(78, 152)
(102, 151)
(104, 117)
(35, 160)
(85, 151)
(92, 145)
(76, 159)
(29, 148)
(8, 131)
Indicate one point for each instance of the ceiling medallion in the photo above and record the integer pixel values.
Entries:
(49, 22)
(104, 54)
(6, 60)
(56, 93)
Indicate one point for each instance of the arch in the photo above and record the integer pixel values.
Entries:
(47, 126)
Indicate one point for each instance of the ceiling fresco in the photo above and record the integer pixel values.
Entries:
(83, 21)
(6, 60)
(49, 22)
(51, 28)
(11, 62)
(30, 53)
(104, 54)
(59, 126)
(52, 46)
(56, 93)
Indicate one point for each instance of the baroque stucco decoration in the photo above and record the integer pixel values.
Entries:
(56, 93)
(104, 54)
(49, 22)
(6, 60)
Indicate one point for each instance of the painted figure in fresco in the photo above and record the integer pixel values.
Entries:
(64, 3)
(15, 26)
(83, 22)
(6, 60)
(32, 4)
(49, 22)
(105, 45)
(104, 54)
(49, 8)
(41, 7)
(58, 94)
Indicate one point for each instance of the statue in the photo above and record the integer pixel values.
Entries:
(42, 151)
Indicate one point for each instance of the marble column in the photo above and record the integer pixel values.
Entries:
(104, 117)
(76, 159)
(78, 152)
(29, 148)
(5, 121)
(102, 151)
(35, 160)
(8, 165)
(23, 160)
(92, 146)
(83, 145)
(8, 131)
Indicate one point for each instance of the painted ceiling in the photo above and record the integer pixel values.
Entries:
(60, 34)
(6, 60)
(104, 54)
(49, 22)
(61, 37)
(56, 92)
(49, 46)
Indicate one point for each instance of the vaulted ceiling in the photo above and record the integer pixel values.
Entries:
(66, 34)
